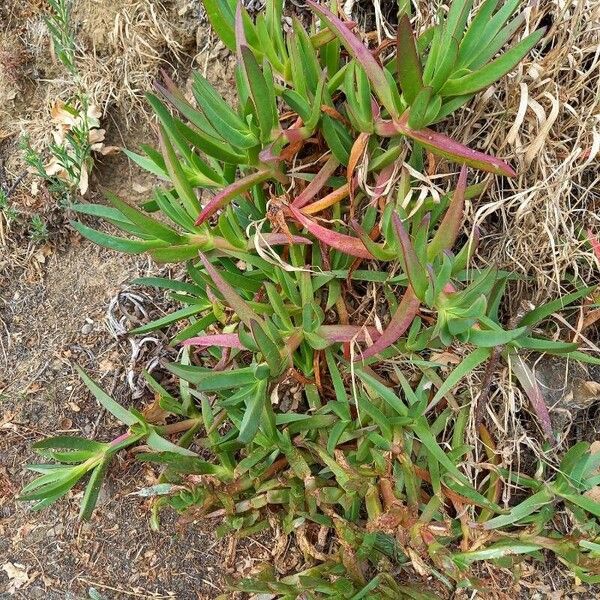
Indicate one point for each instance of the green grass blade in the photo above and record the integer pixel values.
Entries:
(106, 401)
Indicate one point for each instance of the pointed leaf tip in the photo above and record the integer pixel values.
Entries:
(361, 54)
(445, 146)
(339, 241)
(414, 269)
(449, 228)
(235, 301)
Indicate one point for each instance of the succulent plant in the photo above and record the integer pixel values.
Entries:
(310, 214)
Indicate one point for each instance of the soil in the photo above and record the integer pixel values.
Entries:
(55, 295)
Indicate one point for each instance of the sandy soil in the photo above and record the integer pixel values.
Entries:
(53, 312)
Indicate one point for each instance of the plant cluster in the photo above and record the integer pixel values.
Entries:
(76, 130)
(354, 432)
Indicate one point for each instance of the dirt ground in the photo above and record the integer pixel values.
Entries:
(64, 301)
(59, 298)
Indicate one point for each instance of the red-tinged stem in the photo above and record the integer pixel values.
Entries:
(222, 340)
(294, 135)
(230, 192)
(346, 333)
(278, 239)
(401, 321)
(122, 438)
(240, 34)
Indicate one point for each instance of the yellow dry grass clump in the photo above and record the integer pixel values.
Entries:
(124, 42)
(120, 46)
(546, 117)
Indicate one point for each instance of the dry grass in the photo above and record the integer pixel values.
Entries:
(546, 118)
(124, 43)
(121, 45)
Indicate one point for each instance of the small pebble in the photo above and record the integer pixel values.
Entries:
(87, 329)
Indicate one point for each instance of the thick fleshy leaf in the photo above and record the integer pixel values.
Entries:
(415, 271)
(417, 116)
(338, 138)
(449, 228)
(344, 243)
(446, 65)
(403, 317)
(379, 251)
(524, 509)
(114, 242)
(145, 222)
(444, 146)
(221, 116)
(361, 54)
(489, 51)
(106, 401)
(209, 380)
(471, 41)
(211, 146)
(184, 188)
(220, 13)
(456, 19)
(261, 93)
(254, 407)
(228, 193)
(347, 333)
(490, 73)
(92, 491)
(410, 71)
(235, 301)
(268, 348)
(180, 133)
